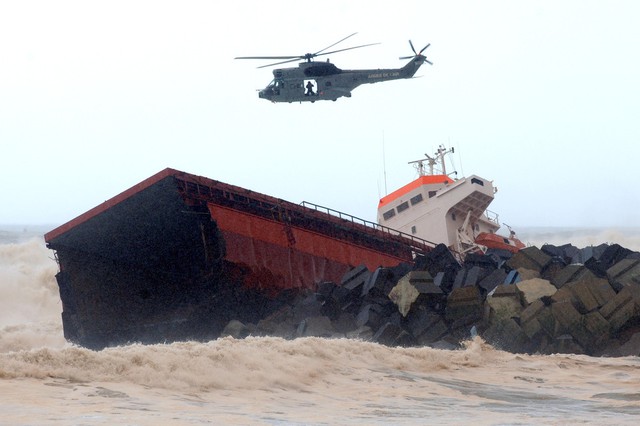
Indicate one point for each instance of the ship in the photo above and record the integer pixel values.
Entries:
(439, 208)
(177, 256)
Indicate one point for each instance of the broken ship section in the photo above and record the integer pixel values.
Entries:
(177, 256)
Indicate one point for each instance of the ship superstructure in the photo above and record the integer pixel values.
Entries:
(440, 209)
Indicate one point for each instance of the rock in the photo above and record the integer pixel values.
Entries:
(567, 317)
(566, 344)
(370, 315)
(440, 259)
(568, 274)
(553, 267)
(504, 302)
(512, 277)
(631, 347)
(392, 335)
(598, 330)
(235, 329)
(529, 320)
(475, 274)
(500, 256)
(534, 303)
(624, 273)
(546, 320)
(494, 279)
(565, 252)
(403, 295)
(318, 326)
(361, 333)
(622, 308)
(355, 279)
(376, 282)
(308, 306)
(269, 327)
(591, 292)
(563, 294)
(443, 345)
(343, 296)
(529, 258)
(535, 289)
(481, 260)
(325, 288)
(437, 330)
(613, 254)
(464, 306)
(469, 276)
(420, 278)
(345, 322)
(422, 322)
(527, 274)
(330, 307)
(507, 335)
(430, 293)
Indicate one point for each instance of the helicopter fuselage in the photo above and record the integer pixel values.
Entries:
(316, 81)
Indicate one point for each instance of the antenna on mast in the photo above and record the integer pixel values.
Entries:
(438, 157)
(384, 165)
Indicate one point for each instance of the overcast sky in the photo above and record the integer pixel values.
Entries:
(541, 97)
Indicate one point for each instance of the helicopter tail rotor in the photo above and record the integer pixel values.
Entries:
(417, 54)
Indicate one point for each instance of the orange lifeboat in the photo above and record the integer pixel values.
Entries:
(496, 241)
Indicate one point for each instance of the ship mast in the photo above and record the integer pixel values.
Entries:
(438, 157)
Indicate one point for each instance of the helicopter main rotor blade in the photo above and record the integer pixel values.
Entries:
(307, 56)
(348, 48)
(297, 58)
(268, 57)
(328, 47)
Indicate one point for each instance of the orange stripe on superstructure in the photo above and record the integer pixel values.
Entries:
(422, 180)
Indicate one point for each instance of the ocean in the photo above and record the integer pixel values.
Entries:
(44, 380)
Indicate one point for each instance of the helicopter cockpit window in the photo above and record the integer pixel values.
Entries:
(275, 86)
(277, 83)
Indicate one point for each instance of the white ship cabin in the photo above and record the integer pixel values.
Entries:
(440, 209)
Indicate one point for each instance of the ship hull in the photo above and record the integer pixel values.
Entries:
(177, 256)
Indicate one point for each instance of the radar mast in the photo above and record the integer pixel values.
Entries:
(438, 157)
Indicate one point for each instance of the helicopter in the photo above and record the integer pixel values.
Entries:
(319, 81)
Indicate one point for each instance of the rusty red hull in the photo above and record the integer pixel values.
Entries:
(164, 259)
(289, 256)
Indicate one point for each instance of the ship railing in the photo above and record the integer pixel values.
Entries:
(492, 216)
(416, 242)
(217, 192)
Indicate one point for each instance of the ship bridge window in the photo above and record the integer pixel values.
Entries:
(477, 181)
(402, 207)
(389, 214)
(415, 200)
(432, 194)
